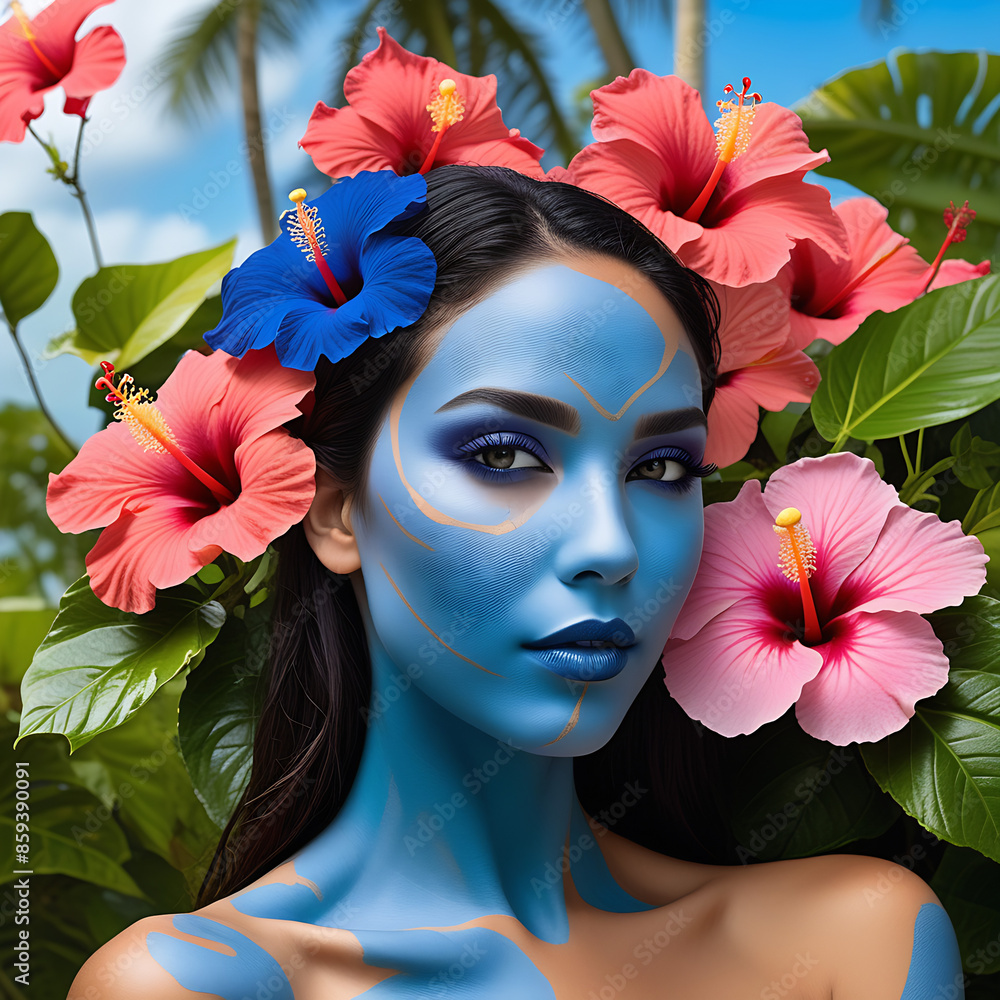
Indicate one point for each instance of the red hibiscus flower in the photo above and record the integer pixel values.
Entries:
(207, 468)
(759, 367)
(731, 206)
(407, 113)
(831, 298)
(39, 54)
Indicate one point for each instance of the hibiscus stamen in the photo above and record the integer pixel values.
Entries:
(851, 285)
(306, 231)
(148, 426)
(29, 37)
(797, 560)
(731, 140)
(446, 109)
(956, 219)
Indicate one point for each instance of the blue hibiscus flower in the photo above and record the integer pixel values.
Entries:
(333, 277)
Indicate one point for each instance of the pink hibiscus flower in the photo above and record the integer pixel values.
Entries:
(731, 206)
(41, 53)
(238, 482)
(408, 112)
(759, 367)
(832, 297)
(831, 623)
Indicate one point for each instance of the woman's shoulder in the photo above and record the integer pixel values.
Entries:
(836, 925)
(858, 922)
(193, 956)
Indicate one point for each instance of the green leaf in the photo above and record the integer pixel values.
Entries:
(28, 268)
(23, 624)
(137, 769)
(792, 796)
(983, 521)
(218, 713)
(969, 888)
(931, 362)
(97, 665)
(943, 767)
(125, 312)
(917, 131)
(976, 461)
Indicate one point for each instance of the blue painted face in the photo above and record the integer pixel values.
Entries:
(512, 498)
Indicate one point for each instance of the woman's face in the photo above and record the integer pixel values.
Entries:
(536, 474)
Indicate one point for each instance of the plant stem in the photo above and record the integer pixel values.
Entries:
(71, 450)
(82, 196)
(906, 456)
(920, 447)
(73, 180)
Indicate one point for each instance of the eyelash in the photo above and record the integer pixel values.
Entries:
(508, 439)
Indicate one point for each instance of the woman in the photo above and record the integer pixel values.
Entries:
(465, 611)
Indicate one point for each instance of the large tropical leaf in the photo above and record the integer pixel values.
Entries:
(943, 767)
(125, 312)
(217, 715)
(969, 887)
(28, 268)
(916, 131)
(926, 364)
(792, 796)
(98, 665)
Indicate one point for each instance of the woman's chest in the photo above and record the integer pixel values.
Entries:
(680, 952)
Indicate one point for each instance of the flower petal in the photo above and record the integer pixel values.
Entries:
(844, 504)
(143, 550)
(664, 115)
(391, 88)
(277, 474)
(919, 563)
(739, 560)
(399, 277)
(634, 178)
(874, 671)
(342, 143)
(741, 670)
(110, 470)
(309, 330)
(749, 232)
(98, 60)
(732, 425)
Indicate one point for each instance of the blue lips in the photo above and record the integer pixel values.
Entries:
(615, 631)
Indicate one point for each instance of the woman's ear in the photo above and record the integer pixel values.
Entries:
(328, 528)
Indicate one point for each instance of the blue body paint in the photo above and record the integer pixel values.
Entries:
(250, 972)
(464, 798)
(936, 964)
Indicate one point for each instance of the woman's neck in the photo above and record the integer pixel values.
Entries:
(449, 820)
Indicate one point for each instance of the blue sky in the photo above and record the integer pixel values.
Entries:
(161, 187)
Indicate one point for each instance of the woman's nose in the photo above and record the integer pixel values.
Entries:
(597, 542)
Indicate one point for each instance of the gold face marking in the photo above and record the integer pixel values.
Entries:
(572, 719)
(429, 629)
(401, 528)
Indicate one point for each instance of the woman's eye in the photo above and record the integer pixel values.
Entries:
(505, 456)
(665, 470)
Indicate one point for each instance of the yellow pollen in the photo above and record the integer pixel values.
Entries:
(140, 414)
(305, 227)
(448, 107)
(788, 517)
(797, 556)
(733, 128)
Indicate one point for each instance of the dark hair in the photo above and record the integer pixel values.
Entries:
(482, 224)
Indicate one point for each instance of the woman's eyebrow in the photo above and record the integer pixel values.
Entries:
(556, 413)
